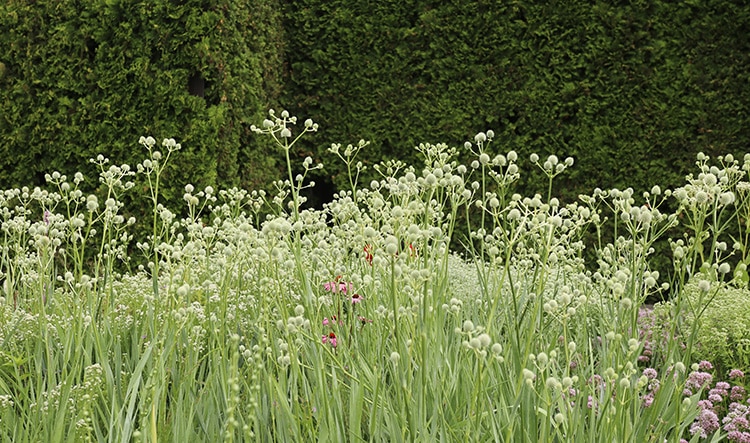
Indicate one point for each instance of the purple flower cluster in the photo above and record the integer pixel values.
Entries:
(724, 405)
(735, 421)
(652, 388)
(696, 381)
(706, 423)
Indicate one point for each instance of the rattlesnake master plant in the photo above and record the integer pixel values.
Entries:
(258, 318)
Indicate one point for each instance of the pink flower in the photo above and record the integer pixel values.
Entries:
(648, 400)
(706, 423)
(336, 286)
(698, 380)
(705, 365)
(330, 339)
(356, 298)
(736, 373)
(738, 393)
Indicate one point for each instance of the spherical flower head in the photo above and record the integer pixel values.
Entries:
(736, 373)
(542, 359)
(497, 348)
(528, 375)
(481, 137)
(484, 340)
(726, 198)
(553, 384)
(705, 286)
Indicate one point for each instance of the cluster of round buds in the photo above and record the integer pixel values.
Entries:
(552, 166)
(280, 125)
(479, 341)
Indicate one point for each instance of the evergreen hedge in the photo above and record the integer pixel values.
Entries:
(80, 78)
(631, 89)
(621, 86)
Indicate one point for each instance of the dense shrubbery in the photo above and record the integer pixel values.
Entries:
(721, 317)
(622, 88)
(79, 78)
(632, 90)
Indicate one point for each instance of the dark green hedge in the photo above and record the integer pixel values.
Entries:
(84, 77)
(631, 89)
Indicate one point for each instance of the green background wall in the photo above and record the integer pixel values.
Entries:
(80, 78)
(631, 89)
